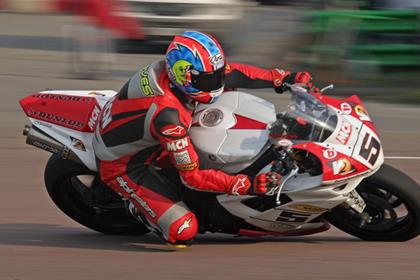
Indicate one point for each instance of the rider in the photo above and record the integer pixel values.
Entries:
(148, 122)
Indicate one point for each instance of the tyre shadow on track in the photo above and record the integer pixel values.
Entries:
(50, 235)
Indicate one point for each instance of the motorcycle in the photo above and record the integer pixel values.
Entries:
(327, 150)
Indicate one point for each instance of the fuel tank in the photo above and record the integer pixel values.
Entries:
(231, 133)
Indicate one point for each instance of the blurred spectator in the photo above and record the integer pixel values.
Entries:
(100, 13)
(90, 41)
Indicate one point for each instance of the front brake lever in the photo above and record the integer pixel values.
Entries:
(292, 173)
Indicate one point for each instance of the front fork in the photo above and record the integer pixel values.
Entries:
(356, 202)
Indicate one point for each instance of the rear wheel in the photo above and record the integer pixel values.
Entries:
(81, 195)
(392, 210)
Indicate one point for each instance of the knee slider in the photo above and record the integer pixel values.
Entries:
(183, 229)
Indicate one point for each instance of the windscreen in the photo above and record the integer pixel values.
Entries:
(306, 118)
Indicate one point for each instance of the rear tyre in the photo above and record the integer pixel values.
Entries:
(392, 210)
(91, 204)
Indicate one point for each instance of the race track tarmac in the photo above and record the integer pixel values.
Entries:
(37, 241)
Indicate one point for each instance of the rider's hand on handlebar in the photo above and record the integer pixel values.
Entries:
(264, 183)
(291, 78)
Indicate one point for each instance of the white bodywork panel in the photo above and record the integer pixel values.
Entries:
(220, 146)
(309, 200)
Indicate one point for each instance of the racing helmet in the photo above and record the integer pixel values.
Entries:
(195, 63)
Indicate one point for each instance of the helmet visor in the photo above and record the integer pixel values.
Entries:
(208, 81)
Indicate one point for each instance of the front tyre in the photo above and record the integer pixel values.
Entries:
(392, 210)
(81, 195)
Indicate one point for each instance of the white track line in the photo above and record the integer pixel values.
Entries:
(415, 158)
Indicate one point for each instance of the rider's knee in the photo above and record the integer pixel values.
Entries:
(183, 229)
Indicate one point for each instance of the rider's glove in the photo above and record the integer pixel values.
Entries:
(265, 183)
(292, 78)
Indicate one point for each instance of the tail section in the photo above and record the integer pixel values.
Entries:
(64, 121)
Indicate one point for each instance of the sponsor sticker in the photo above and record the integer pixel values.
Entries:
(145, 83)
(94, 117)
(54, 118)
(177, 145)
(42, 123)
(216, 59)
(362, 113)
(293, 217)
(187, 167)
(124, 185)
(344, 133)
(182, 157)
(77, 144)
(342, 167)
(62, 97)
(355, 201)
(346, 108)
(308, 208)
(329, 153)
(107, 114)
(280, 226)
(45, 147)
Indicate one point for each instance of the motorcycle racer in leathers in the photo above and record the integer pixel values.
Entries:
(147, 124)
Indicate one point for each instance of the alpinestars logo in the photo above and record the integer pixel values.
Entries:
(240, 184)
(124, 185)
(178, 130)
(184, 226)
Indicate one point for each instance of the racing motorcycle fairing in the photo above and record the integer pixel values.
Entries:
(345, 147)
(71, 111)
(69, 117)
(344, 140)
(351, 106)
(232, 132)
(336, 166)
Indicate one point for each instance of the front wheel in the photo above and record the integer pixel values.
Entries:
(392, 210)
(81, 195)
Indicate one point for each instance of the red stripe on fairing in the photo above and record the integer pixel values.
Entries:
(247, 123)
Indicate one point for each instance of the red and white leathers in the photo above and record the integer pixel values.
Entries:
(148, 121)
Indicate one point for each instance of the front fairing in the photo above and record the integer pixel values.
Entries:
(339, 133)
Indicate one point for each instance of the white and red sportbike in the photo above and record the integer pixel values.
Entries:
(332, 167)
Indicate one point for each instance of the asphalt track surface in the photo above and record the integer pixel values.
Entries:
(37, 241)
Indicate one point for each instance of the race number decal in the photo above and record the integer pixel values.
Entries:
(368, 147)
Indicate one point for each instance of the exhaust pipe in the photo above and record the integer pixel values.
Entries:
(35, 137)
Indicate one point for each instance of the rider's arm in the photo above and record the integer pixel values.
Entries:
(246, 76)
(173, 136)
